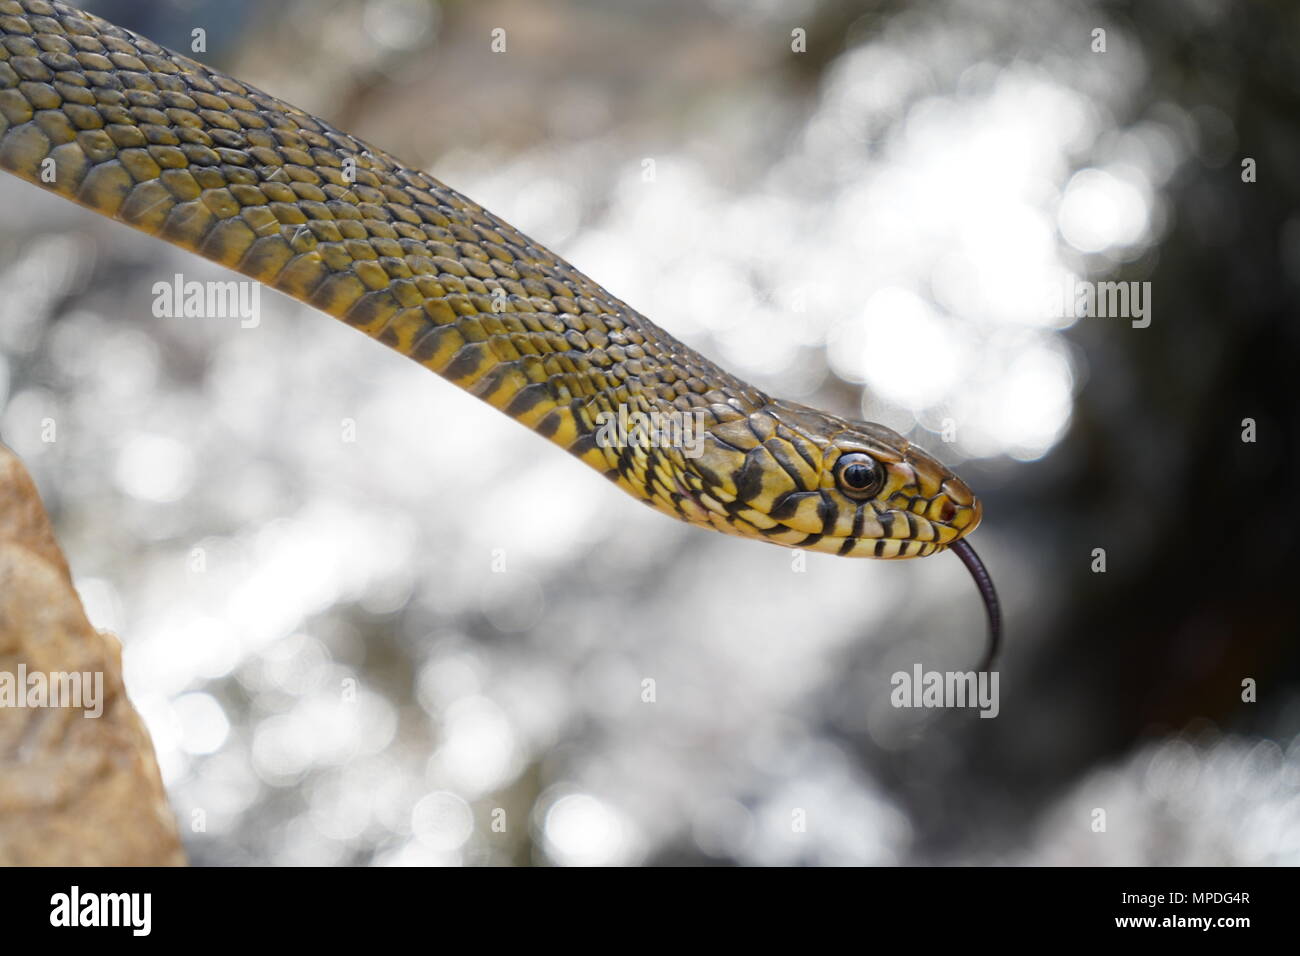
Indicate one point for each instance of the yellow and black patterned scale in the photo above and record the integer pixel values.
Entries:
(179, 150)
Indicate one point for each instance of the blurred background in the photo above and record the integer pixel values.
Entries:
(371, 621)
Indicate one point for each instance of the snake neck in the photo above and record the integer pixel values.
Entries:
(186, 153)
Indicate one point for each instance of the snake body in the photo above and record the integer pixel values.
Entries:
(184, 152)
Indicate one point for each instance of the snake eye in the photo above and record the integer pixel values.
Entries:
(859, 475)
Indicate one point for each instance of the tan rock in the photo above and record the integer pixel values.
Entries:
(73, 790)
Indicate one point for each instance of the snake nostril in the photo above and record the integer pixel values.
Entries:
(947, 511)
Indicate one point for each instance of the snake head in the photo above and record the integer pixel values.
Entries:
(799, 477)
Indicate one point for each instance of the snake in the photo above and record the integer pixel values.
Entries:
(184, 152)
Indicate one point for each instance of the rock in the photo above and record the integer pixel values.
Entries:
(74, 790)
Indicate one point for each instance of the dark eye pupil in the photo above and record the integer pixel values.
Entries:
(858, 475)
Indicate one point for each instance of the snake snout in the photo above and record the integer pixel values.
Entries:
(950, 503)
(964, 516)
(956, 506)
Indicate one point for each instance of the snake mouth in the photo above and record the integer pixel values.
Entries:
(904, 529)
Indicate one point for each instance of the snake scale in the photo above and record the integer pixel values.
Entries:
(176, 149)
